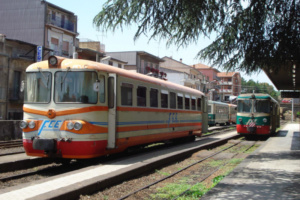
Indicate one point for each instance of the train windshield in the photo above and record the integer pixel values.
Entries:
(262, 106)
(37, 87)
(245, 106)
(75, 87)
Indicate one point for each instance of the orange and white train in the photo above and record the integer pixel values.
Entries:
(82, 109)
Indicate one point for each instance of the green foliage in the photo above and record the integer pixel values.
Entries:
(249, 86)
(250, 35)
(162, 173)
(170, 191)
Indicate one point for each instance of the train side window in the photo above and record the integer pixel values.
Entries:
(198, 104)
(179, 101)
(141, 96)
(193, 102)
(126, 94)
(164, 99)
(172, 100)
(102, 88)
(187, 102)
(153, 97)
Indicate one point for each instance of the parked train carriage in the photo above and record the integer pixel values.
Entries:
(232, 113)
(83, 109)
(258, 114)
(218, 113)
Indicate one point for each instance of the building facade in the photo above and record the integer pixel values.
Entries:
(189, 76)
(230, 85)
(138, 61)
(212, 89)
(41, 23)
(15, 57)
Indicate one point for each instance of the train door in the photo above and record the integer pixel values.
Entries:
(204, 115)
(273, 117)
(112, 111)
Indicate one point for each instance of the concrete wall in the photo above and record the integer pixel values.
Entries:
(10, 130)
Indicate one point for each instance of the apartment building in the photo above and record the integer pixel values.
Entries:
(212, 86)
(183, 74)
(138, 61)
(41, 23)
(230, 85)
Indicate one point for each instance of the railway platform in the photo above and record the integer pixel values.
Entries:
(271, 172)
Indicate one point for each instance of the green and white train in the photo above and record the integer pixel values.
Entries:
(218, 113)
(257, 114)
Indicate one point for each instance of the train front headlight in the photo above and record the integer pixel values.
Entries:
(70, 125)
(209, 117)
(77, 126)
(265, 120)
(31, 124)
(23, 124)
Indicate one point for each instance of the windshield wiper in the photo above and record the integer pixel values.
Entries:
(46, 78)
(63, 79)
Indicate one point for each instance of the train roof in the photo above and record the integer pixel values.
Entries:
(217, 102)
(257, 96)
(65, 63)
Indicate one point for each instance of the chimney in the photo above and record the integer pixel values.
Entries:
(180, 59)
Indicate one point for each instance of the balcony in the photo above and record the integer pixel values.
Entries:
(225, 83)
(59, 22)
(225, 90)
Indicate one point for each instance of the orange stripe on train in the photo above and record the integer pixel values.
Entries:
(67, 112)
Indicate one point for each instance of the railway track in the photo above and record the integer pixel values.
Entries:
(10, 144)
(185, 168)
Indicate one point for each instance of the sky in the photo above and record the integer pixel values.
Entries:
(122, 40)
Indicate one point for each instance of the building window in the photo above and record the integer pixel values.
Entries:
(126, 94)
(119, 65)
(153, 97)
(110, 63)
(54, 44)
(65, 48)
(62, 21)
(141, 96)
(172, 100)
(53, 15)
(17, 84)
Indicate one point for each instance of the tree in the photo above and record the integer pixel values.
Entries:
(260, 34)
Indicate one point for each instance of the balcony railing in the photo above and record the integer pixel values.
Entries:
(225, 83)
(65, 24)
(225, 90)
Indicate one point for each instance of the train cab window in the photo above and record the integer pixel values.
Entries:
(153, 97)
(187, 102)
(126, 94)
(179, 101)
(75, 87)
(244, 106)
(38, 87)
(164, 99)
(141, 96)
(198, 104)
(262, 106)
(172, 100)
(102, 88)
(193, 102)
